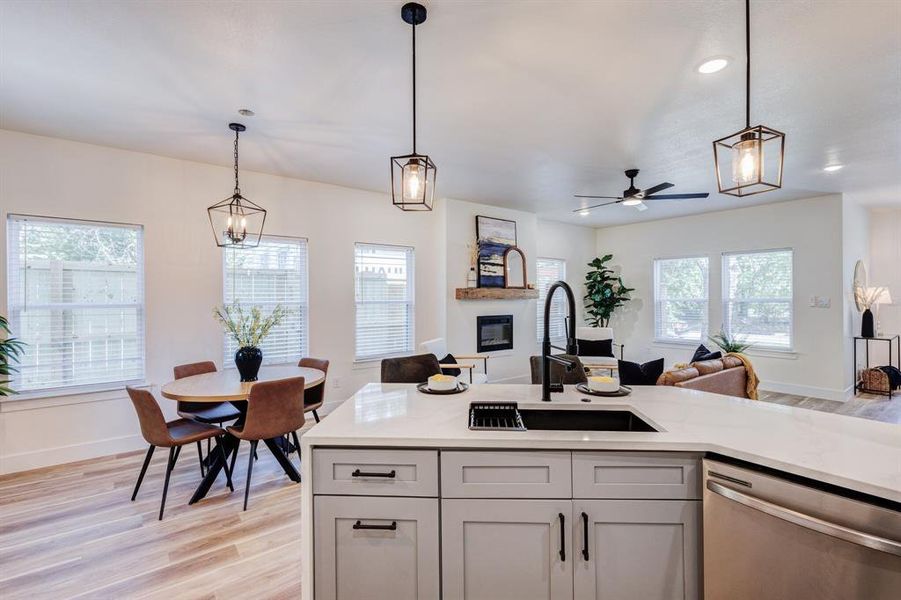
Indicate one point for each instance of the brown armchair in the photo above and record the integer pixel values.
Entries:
(410, 369)
(559, 374)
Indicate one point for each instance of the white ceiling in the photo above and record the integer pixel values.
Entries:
(521, 104)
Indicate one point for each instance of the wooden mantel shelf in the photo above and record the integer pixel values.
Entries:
(496, 294)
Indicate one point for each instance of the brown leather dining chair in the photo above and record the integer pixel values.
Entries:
(172, 435)
(274, 408)
(312, 399)
(204, 412)
(410, 369)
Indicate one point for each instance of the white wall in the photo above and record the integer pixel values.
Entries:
(183, 273)
(855, 246)
(885, 263)
(811, 227)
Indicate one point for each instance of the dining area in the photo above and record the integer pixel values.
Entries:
(220, 409)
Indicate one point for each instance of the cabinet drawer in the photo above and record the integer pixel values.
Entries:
(375, 472)
(376, 548)
(486, 474)
(652, 475)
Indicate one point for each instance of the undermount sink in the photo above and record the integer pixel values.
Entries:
(583, 420)
(503, 416)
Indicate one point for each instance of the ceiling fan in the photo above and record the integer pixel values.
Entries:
(636, 197)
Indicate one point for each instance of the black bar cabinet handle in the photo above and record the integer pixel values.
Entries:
(392, 527)
(562, 537)
(585, 536)
(358, 473)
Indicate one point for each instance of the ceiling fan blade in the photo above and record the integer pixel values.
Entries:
(657, 188)
(599, 197)
(676, 196)
(584, 208)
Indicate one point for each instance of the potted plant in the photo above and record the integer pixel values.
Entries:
(729, 343)
(248, 330)
(606, 292)
(10, 352)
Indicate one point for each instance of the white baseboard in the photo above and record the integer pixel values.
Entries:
(47, 457)
(807, 391)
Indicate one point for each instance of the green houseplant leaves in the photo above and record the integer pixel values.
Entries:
(605, 292)
(11, 351)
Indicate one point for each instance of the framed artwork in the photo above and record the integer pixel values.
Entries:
(494, 236)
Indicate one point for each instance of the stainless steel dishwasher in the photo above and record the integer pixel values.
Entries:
(768, 538)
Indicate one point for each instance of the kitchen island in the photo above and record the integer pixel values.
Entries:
(390, 450)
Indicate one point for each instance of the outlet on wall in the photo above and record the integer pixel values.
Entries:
(820, 302)
(336, 382)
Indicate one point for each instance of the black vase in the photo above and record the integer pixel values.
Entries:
(248, 360)
(866, 325)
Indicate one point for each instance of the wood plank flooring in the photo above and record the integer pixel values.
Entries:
(71, 532)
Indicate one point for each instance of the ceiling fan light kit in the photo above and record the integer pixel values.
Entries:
(749, 161)
(237, 222)
(413, 175)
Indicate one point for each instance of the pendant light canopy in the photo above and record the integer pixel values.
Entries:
(749, 161)
(236, 221)
(413, 175)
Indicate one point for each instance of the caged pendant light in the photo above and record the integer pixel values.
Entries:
(236, 221)
(749, 161)
(413, 175)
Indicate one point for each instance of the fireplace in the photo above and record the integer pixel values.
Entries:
(494, 332)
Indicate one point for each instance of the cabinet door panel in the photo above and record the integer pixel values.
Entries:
(506, 549)
(354, 561)
(637, 549)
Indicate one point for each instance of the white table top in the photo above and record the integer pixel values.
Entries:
(226, 385)
(851, 452)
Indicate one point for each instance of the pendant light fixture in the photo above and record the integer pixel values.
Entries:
(750, 161)
(236, 221)
(413, 175)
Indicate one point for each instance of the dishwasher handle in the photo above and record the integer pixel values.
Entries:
(807, 521)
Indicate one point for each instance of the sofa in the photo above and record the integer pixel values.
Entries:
(725, 375)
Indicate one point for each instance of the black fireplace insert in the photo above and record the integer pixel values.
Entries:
(494, 332)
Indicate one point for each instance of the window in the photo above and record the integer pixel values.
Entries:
(757, 297)
(680, 299)
(550, 270)
(273, 273)
(383, 290)
(76, 297)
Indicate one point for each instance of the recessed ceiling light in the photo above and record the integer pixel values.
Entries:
(246, 112)
(833, 168)
(713, 65)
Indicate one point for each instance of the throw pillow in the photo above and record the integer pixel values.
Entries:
(631, 373)
(595, 347)
(702, 353)
(450, 360)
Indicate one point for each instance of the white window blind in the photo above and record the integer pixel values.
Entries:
(383, 288)
(757, 297)
(274, 273)
(681, 299)
(76, 298)
(550, 270)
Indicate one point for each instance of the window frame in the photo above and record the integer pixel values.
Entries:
(411, 301)
(14, 311)
(228, 359)
(705, 330)
(539, 305)
(725, 299)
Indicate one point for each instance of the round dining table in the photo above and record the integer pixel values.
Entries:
(226, 386)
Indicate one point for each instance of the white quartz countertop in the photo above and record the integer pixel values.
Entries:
(851, 452)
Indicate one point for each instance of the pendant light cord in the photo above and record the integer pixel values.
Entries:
(748, 63)
(414, 86)
(237, 188)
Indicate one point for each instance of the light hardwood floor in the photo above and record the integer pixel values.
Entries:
(71, 532)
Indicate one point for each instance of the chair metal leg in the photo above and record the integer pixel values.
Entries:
(296, 443)
(173, 456)
(177, 452)
(200, 458)
(225, 467)
(143, 470)
(235, 456)
(253, 451)
(316, 416)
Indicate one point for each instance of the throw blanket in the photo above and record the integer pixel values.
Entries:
(753, 381)
(894, 377)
